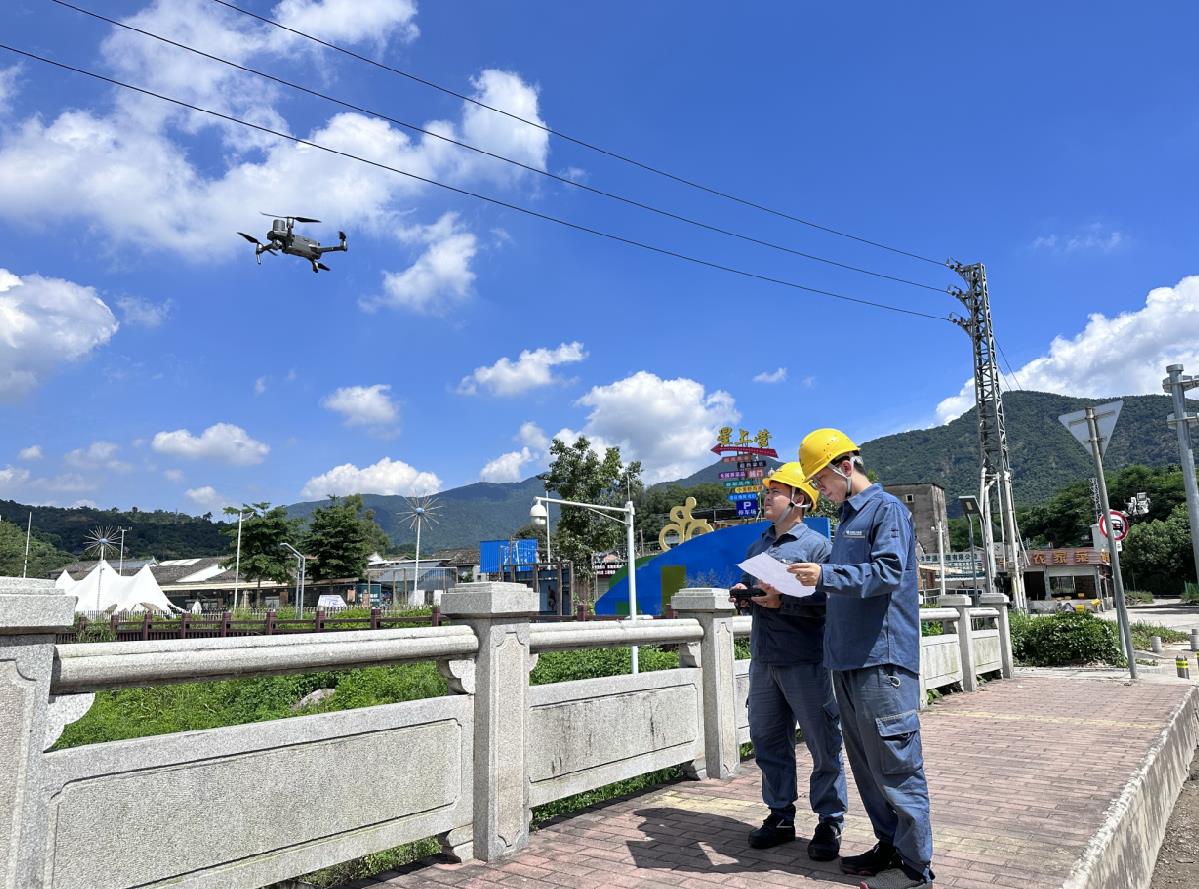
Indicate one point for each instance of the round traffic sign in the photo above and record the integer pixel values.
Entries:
(1119, 524)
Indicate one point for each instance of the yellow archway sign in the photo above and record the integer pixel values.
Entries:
(682, 524)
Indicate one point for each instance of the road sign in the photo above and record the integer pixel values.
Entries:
(1119, 524)
(1105, 418)
(746, 508)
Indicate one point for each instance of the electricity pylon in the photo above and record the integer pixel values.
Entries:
(996, 470)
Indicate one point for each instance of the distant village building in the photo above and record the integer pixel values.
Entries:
(926, 502)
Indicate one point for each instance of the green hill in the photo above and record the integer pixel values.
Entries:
(1044, 455)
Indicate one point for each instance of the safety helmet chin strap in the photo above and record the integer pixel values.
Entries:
(791, 504)
(848, 477)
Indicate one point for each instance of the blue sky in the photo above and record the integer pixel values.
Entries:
(145, 360)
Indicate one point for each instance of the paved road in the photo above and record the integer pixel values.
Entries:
(1010, 806)
(1164, 613)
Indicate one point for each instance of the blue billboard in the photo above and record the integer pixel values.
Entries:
(497, 556)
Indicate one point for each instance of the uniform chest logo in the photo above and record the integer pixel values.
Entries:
(857, 535)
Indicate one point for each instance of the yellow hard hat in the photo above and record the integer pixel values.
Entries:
(819, 448)
(792, 474)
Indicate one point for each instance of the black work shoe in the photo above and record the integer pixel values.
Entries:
(776, 829)
(825, 842)
(867, 864)
(895, 878)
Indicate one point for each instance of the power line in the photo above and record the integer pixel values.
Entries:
(1009, 366)
(580, 142)
(562, 179)
(491, 200)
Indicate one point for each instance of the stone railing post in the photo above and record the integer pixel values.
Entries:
(965, 640)
(499, 614)
(31, 612)
(715, 657)
(999, 602)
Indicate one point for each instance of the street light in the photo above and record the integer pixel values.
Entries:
(300, 579)
(970, 507)
(540, 516)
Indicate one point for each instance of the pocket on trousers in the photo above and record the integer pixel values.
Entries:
(899, 743)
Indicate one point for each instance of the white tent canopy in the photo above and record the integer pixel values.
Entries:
(103, 589)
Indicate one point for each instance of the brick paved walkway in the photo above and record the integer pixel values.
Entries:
(1021, 775)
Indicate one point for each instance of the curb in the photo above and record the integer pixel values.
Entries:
(1123, 851)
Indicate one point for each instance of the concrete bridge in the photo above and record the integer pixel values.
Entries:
(244, 806)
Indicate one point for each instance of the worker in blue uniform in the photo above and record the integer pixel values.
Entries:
(872, 647)
(788, 683)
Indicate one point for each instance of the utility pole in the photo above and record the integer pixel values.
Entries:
(1175, 385)
(988, 400)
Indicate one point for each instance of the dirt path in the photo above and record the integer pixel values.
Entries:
(1178, 860)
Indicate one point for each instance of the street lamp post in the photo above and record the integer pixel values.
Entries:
(539, 516)
(971, 507)
(237, 561)
(303, 560)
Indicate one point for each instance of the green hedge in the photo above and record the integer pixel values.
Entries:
(1067, 639)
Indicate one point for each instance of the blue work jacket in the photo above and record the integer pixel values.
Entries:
(794, 632)
(872, 587)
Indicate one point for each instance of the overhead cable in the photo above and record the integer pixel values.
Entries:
(444, 138)
(577, 141)
(491, 200)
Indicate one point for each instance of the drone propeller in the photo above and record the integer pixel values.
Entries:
(296, 218)
(251, 238)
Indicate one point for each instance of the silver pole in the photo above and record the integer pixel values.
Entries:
(1118, 580)
(416, 568)
(121, 563)
(632, 577)
(1186, 454)
(237, 561)
(28, 532)
(941, 552)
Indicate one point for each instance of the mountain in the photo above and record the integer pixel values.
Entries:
(1044, 455)
(480, 511)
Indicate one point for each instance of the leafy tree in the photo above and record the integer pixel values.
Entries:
(263, 531)
(1158, 553)
(43, 557)
(578, 473)
(341, 536)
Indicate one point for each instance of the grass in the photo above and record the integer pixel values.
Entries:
(1142, 633)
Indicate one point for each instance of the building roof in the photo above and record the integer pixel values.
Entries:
(462, 556)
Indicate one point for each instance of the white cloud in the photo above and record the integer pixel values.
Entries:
(531, 435)
(507, 467)
(363, 405)
(776, 376)
(11, 478)
(260, 385)
(127, 172)
(500, 134)
(8, 86)
(670, 425)
(441, 276)
(385, 477)
(33, 452)
(351, 21)
(97, 455)
(1124, 355)
(84, 502)
(221, 441)
(67, 483)
(1095, 237)
(46, 322)
(142, 312)
(531, 370)
(207, 498)
(173, 475)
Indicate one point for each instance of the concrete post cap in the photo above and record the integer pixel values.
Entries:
(490, 599)
(701, 599)
(30, 606)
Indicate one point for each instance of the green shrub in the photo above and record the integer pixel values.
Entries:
(590, 663)
(1190, 593)
(93, 630)
(1060, 640)
(1138, 597)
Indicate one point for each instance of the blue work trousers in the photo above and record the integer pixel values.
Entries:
(882, 740)
(780, 696)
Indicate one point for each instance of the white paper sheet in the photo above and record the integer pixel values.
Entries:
(775, 573)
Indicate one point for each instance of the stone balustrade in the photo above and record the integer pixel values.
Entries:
(247, 805)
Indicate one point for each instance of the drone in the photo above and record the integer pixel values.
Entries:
(281, 237)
